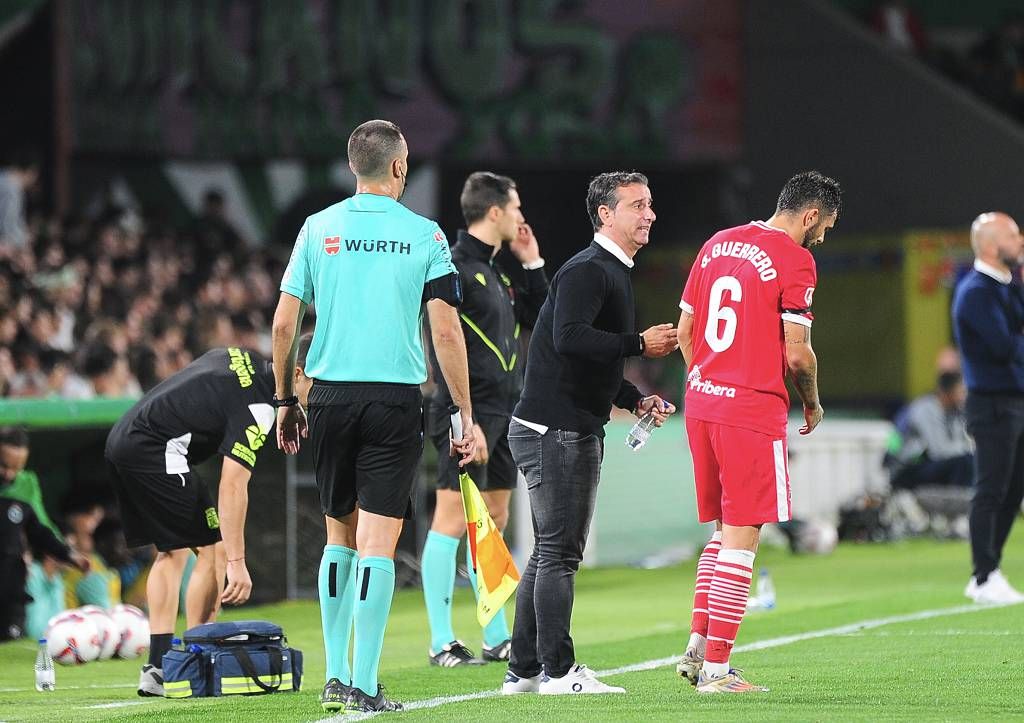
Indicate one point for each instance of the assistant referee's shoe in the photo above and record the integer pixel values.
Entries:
(499, 653)
(453, 654)
(151, 682)
(334, 695)
(690, 664)
(360, 702)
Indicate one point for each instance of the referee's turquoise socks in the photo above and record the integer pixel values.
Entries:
(337, 601)
(495, 632)
(437, 569)
(374, 588)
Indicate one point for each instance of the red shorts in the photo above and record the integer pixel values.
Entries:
(742, 476)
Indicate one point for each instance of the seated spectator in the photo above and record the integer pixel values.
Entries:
(83, 513)
(16, 181)
(935, 448)
(212, 231)
(46, 588)
(131, 565)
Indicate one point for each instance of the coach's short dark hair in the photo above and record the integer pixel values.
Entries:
(372, 146)
(604, 191)
(13, 437)
(811, 189)
(482, 190)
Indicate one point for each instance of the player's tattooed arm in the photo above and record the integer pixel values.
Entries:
(802, 362)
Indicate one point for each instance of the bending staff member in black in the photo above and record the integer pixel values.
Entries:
(493, 310)
(218, 404)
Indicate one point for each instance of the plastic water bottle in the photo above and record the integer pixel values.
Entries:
(45, 679)
(176, 644)
(640, 432)
(765, 590)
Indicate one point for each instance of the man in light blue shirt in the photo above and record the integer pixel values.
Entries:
(367, 264)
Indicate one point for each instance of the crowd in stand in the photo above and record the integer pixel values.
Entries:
(109, 305)
(991, 63)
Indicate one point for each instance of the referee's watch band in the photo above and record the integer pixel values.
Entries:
(643, 345)
(286, 402)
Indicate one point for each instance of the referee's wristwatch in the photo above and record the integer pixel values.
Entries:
(286, 402)
(643, 344)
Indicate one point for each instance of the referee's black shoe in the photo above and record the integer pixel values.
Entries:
(334, 695)
(360, 702)
(453, 654)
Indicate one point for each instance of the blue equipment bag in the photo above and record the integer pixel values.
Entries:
(249, 657)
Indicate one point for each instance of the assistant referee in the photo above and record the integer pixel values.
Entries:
(368, 263)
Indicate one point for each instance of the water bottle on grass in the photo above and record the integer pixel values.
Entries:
(45, 679)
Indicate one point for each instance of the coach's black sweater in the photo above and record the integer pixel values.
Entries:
(585, 331)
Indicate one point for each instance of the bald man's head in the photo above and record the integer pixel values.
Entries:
(996, 239)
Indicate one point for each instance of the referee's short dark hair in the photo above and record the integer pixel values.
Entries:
(604, 191)
(372, 146)
(482, 190)
(811, 189)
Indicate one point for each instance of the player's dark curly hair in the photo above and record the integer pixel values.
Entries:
(811, 189)
(373, 146)
(604, 191)
(481, 191)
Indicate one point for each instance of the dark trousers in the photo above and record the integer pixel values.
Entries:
(997, 424)
(562, 470)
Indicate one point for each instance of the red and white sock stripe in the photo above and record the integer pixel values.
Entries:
(705, 571)
(727, 602)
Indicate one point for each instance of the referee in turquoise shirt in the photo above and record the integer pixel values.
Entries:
(368, 264)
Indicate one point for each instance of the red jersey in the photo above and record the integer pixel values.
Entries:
(744, 283)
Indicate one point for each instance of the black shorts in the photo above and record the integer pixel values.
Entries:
(171, 511)
(500, 471)
(367, 441)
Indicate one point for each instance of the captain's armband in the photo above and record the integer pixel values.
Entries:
(447, 288)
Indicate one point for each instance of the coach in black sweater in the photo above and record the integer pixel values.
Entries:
(585, 331)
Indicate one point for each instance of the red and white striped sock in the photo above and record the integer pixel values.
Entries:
(727, 601)
(705, 571)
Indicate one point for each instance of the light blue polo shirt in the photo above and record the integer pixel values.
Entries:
(363, 263)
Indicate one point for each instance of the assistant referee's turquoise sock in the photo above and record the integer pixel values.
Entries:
(374, 588)
(337, 602)
(437, 569)
(495, 632)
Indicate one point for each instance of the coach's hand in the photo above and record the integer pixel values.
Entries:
(291, 426)
(239, 585)
(481, 456)
(658, 406)
(812, 418)
(660, 341)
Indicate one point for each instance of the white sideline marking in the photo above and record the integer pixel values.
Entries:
(122, 704)
(662, 662)
(94, 686)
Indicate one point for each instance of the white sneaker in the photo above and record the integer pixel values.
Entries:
(513, 684)
(971, 590)
(579, 679)
(997, 590)
(151, 682)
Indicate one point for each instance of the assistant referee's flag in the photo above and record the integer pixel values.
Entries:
(496, 573)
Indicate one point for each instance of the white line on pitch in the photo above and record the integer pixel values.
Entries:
(95, 686)
(662, 662)
(122, 704)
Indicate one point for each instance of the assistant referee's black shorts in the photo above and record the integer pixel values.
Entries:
(367, 440)
(500, 471)
(171, 511)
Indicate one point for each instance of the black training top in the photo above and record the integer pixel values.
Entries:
(17, 522)
(493, 310)
(585, 331)
(218, 404)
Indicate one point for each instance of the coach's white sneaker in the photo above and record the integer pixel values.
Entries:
(997, 590)
(580, 679)
(971, 590)
(151, 682)
(513, 684)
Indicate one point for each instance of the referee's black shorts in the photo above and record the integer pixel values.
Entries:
(171, 511)
(367, 440)
(500, 471)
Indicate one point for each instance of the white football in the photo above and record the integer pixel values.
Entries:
(109, 632)
(73, 639)
(817, 537)
(134, 628)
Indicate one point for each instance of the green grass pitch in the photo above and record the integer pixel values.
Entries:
(953, 666)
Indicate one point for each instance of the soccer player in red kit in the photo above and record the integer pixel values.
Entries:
(746, 322)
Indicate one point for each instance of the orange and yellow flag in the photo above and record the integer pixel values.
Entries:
(496, 573)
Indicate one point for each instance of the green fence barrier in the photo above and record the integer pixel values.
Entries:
(63, 413)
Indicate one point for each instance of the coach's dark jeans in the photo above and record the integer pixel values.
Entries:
(997, 424)
(562, 470)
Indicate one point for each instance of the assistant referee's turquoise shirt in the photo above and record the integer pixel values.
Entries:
(363, 263)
